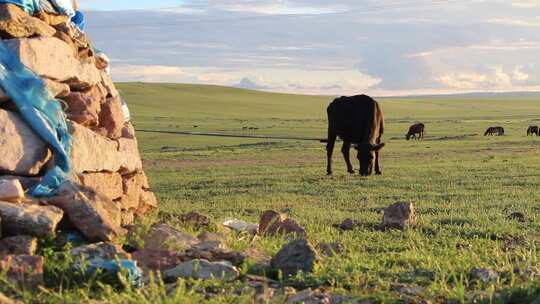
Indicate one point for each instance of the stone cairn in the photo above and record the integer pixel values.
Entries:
(108, 189)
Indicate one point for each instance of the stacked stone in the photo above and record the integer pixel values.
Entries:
(108, 188)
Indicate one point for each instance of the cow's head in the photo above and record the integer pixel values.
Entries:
(366, 156)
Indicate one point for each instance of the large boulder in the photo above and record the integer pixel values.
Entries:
(107, 184)
(84, 107)
(88, 212)
(111, 118)
(23, 152)
(53, 58)
(57, 89)
(29, 219)
(16, 23)
(298, 255)
(133, 187)
(11, 190)
(92, 152)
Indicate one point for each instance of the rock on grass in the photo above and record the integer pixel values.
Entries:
(202, 270)
(399, 216)
(296, 256)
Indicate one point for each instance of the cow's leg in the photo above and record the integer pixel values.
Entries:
(329, 150)
(378, 170)
(346, 155)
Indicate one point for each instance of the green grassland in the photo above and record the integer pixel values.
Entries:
(463, 185)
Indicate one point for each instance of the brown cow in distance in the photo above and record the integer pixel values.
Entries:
(416, 129)
(491, 131)
(533, 130)
(358, 121)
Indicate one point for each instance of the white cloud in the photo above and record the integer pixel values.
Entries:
(514, 22)
(327, 47)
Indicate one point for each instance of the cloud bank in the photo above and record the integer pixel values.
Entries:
(327, 47)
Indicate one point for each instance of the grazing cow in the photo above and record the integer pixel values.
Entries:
(491, 131)
(415, 129)
(533, 130)
(358, 121)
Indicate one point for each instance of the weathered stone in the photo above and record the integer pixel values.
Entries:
(108, 84)
(274, 223)
(23, 152)
(84, 107)
(11, 191)
(107, 184)
(105, 251)
(38, 53)
(132, 185)
(28, 219)
(52, 19)
(330, 249)
(17, 245)
(241, 226)
(164, 237)
(129, 150)
(347, 224)
(57, 89)
(157, 259)
(208, 236)
(16, 23)
(127, 217)
(114, 209)
(26, 182)
(147, 204)
(87, 211)
(94, 153)
(202, 270)
(128, 131)
(111, 118)
(298, 255)
(195, 220)
(23, 270)
(399, 216)
(484, 275)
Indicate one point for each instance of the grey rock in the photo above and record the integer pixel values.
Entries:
(203, 270)
(484, 275)
(399, 216)
(298, 255)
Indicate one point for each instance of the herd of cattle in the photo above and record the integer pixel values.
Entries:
(359, 122)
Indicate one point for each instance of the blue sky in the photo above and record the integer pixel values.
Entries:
(127, 4)
(381, 47)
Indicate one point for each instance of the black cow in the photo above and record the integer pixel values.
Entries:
(358, 121)
(533, 130)
(499, 131)
(415, 129)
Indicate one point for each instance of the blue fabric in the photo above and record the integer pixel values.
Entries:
(80, 20)
(30, 6)
(134, 273)
(42, 113)
(63, 7)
